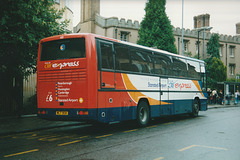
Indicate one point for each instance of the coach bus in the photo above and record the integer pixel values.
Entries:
(87, 77)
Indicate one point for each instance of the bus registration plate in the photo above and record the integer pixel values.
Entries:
(64, 113)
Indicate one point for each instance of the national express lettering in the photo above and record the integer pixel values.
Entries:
(62, 65)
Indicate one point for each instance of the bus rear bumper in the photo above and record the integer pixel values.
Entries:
(67, 114)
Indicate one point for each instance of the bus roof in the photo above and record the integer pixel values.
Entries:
(75, 35)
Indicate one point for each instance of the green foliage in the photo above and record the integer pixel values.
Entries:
(196, 56)
(155, 29)
(188, 54)
(213, 46)
(22, 24)
(217, 71)
(233, 80)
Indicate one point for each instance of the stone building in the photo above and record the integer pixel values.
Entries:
(92, 22)
(127, 30)
(68, 14)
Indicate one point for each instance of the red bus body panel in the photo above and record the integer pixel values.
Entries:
(66, 85)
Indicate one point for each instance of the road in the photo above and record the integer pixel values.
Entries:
(214, 135)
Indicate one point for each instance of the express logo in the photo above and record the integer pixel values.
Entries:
(65, 64)
(183, 85)
(62, 47)
(62, 65)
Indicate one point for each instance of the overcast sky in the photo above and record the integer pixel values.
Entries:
(224, 14)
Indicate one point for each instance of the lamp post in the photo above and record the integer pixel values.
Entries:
(199, 30)
(182, 26)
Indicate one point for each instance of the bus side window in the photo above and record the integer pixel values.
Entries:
(122, 57)
(141, 61)
(107, 55)
(193, 69)
(162, 65)
(179, 67)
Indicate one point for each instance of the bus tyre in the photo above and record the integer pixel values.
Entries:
(195, 108)
(143, 114)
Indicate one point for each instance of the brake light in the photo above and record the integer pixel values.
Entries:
(82, 113)
(42, 112)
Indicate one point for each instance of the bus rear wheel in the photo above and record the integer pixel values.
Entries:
(143, 114)
(195, 108)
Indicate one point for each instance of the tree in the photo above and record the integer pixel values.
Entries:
(213, 46)
(217, 71)
(156, 29)
(22, 25)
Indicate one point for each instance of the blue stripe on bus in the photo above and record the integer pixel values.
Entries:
(107, 115)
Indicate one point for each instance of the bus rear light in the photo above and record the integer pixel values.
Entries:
(82, 113)
(42, 112)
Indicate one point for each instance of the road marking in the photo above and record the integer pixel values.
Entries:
(189, 147)
(15, 154)
(47, 138)
(35, 137)
(160, 158)
(83, 137)
(183, 149)
(133, 130)
(20, 135)
(27, 133)
(168, 123)
(63, 144)
(152, 126)
(58, 138)
(213, 147)
(107, 135)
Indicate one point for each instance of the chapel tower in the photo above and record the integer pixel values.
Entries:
(202, 20)
(89, 9)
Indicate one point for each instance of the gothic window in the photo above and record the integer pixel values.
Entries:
(185, 45)
(221, 50)
(232, 69)
(124, 36)
(231, 51)
(197, 46)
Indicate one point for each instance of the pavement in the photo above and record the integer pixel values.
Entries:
(30, 123)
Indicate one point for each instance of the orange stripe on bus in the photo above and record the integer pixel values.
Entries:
(198, 86)
(138, 95)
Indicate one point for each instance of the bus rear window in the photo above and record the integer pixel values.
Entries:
(63, 49)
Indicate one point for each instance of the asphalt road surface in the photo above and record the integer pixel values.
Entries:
(214, 135)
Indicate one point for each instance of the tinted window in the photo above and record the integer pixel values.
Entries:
(122, 57)
(106, 55)
(193, 69)
(179, 67)
(63, 49)
(162, 65)
(141, 61)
